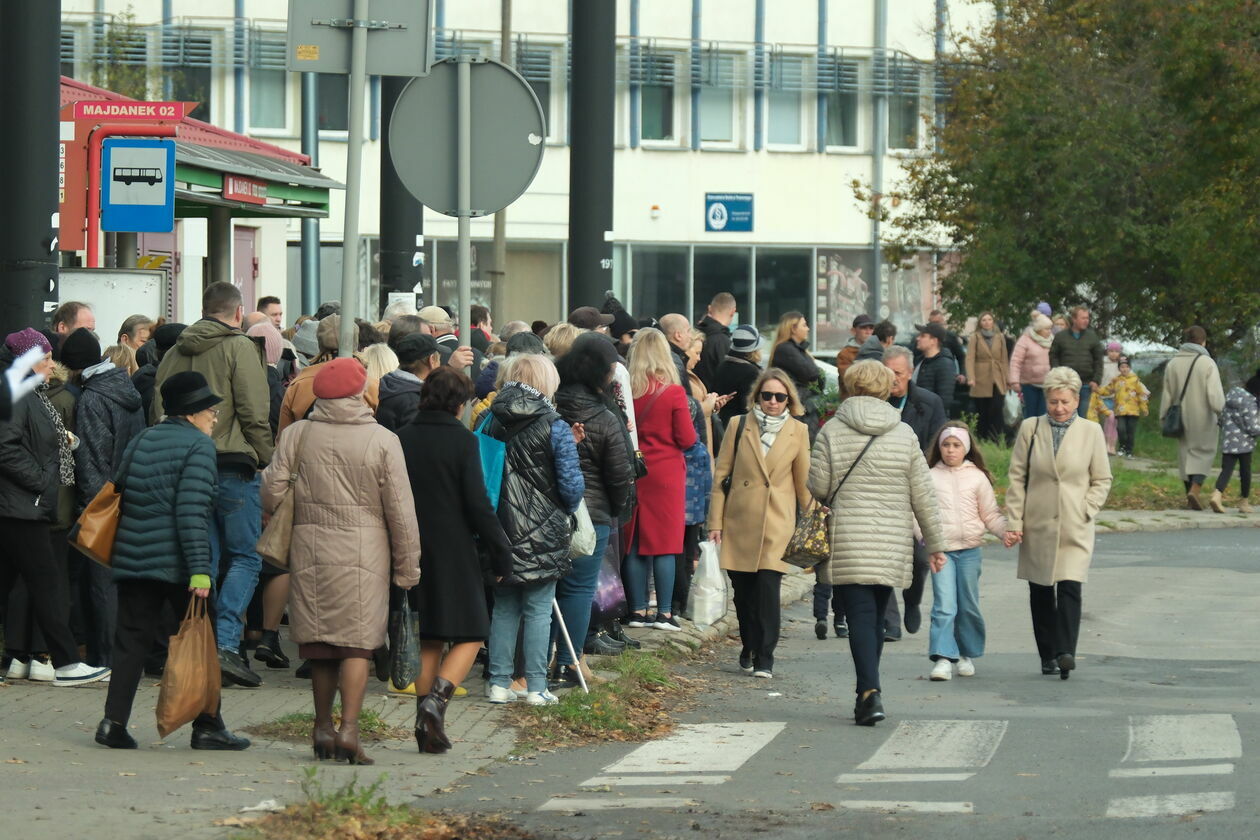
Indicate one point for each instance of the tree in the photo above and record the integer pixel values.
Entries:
(1098, 152)
(123, 58)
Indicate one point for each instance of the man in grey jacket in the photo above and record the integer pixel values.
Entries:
(1081, 349)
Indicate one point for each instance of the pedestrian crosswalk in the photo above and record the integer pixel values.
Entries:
(1171, 766)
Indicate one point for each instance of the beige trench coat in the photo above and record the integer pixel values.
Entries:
(987, 365)
(1065, 493)
(758, 517)
(1200, 410)
(354, 524)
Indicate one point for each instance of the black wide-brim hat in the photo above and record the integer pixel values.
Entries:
(187, 393)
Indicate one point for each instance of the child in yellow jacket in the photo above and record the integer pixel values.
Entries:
(1131, 400)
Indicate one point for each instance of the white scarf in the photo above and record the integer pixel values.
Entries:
(769, 426)
(1043, 340)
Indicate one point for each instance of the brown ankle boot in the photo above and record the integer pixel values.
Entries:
(1192, 497)
(431, 718)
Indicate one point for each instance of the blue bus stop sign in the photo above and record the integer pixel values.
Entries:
(138, 185)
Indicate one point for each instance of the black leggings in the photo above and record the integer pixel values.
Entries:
(1126, 433)
(990, 424)
(864, 605)
(1227, 472)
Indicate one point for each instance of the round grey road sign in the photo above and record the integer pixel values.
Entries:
(506, 137)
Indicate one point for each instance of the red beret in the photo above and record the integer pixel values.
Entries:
(340, 378)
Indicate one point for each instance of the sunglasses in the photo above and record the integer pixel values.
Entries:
(771, 396)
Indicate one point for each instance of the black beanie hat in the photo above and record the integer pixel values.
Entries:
(166, 335)
(80, 350)
(623, 322)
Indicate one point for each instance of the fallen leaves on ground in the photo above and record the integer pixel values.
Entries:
(312, 821)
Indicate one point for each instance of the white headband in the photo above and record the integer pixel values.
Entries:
(962, 435)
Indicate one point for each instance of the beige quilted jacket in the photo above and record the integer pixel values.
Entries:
(873, 516)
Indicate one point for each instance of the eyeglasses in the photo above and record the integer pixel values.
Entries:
(772, 396)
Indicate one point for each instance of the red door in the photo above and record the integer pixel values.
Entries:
(245, 263)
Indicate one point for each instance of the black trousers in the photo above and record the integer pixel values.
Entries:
(990, 424)
(865, 606)
(827, 597)
(1126, 433)
(1056, 617)
(684, 564)
(913, 595)
(102, 607)
(28, 553)
(140, 620)
(1227, 472)
(757, 610)
(22, 636)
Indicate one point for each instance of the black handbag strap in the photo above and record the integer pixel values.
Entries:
(845, 477)
(1028, 460)
(739, 434)
(1185, 385)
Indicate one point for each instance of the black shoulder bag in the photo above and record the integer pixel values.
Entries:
(730, 476)
(1172, 426)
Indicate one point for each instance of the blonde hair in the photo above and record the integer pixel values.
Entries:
(794, 401)
(869, 378)
(560, 338)
(784, 333)
(651, 361)
(696, 335)
(122, 356)
(1062, 379)
(378, 359)
(534, 370)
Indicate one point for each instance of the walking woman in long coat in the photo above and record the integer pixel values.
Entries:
(1060, 478)
(1192, 381)
(987, 372)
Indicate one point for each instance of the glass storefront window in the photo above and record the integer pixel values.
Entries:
(659, 278)
(783, 285)
(723, 270)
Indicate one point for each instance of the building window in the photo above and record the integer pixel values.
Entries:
(841, 79)
(717, 99)
(659, 279)
(333, 102)
(268, 81)
(656, 97)
(189, 57)
(67, 52)
(903, 108)
(784, 101)
(783, 285)
(723, 270)
(535, 65)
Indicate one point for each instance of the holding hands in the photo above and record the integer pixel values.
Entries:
(1013, 538)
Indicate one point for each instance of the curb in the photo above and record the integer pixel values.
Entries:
(1127, 522)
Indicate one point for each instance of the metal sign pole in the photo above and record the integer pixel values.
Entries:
(463, 99)
(354, 167)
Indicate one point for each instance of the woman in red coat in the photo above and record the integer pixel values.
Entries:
(664, 426)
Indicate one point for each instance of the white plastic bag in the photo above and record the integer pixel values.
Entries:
(583, 542)
(706, 603)
(1012, 409)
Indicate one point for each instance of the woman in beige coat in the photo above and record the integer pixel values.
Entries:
(1193, 372)
(354, 527)
(867, 466)
(1060, 477)
(987, 372)
(754, 520)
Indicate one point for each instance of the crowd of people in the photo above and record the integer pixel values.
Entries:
(529, 491)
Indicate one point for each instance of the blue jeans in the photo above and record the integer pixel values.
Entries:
(1034, 400)
(234, 532)
(957, 626)
(635, 572)
(575, 592)
(1083, 408)
(531, 602)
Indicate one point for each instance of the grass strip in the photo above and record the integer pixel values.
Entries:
(297, 727)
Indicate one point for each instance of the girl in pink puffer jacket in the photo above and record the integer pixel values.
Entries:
(964, 489)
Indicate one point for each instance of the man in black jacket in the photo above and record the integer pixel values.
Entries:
(400, 389)
(923, 412)
(717, 336)
(937, 371)
(678, 332)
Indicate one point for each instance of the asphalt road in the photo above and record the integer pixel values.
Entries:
(1153, 737)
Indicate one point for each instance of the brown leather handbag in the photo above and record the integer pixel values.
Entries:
(93, 534)
(273, 545)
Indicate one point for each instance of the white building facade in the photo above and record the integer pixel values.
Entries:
(777, 106)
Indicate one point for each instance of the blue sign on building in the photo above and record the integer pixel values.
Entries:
(138, 185)
(728, 212)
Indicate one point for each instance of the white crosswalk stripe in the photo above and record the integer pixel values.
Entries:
(1161, 745)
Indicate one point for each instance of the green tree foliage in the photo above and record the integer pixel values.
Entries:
(123, 67)
(1104, 152)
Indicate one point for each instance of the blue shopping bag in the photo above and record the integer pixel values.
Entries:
(493, 454)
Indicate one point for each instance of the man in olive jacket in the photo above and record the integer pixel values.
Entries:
(1081, 349)
(235, 369)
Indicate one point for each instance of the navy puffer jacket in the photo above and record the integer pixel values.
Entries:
(107, 416)
(531, 509)
(169, 477)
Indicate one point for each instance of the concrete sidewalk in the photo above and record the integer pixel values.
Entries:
(1129, 521)
(62, 784)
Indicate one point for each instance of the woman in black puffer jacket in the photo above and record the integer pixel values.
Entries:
(791, 354)
(542, 487)
(585, 372)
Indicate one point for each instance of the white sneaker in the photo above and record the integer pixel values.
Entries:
(763, 674)
(41, 671)
(499, 694)
(942, 670)
(79, 674)
(966, 667)
(541, 698)
(18, 670)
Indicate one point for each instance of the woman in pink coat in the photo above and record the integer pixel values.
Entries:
(1030, 362)
(665, 431)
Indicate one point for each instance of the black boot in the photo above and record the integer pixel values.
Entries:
(618, 634)
(269, 651)
(869, 710)
(114, 735)
(431, 718)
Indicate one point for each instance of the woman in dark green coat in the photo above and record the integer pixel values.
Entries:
(161, 554)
